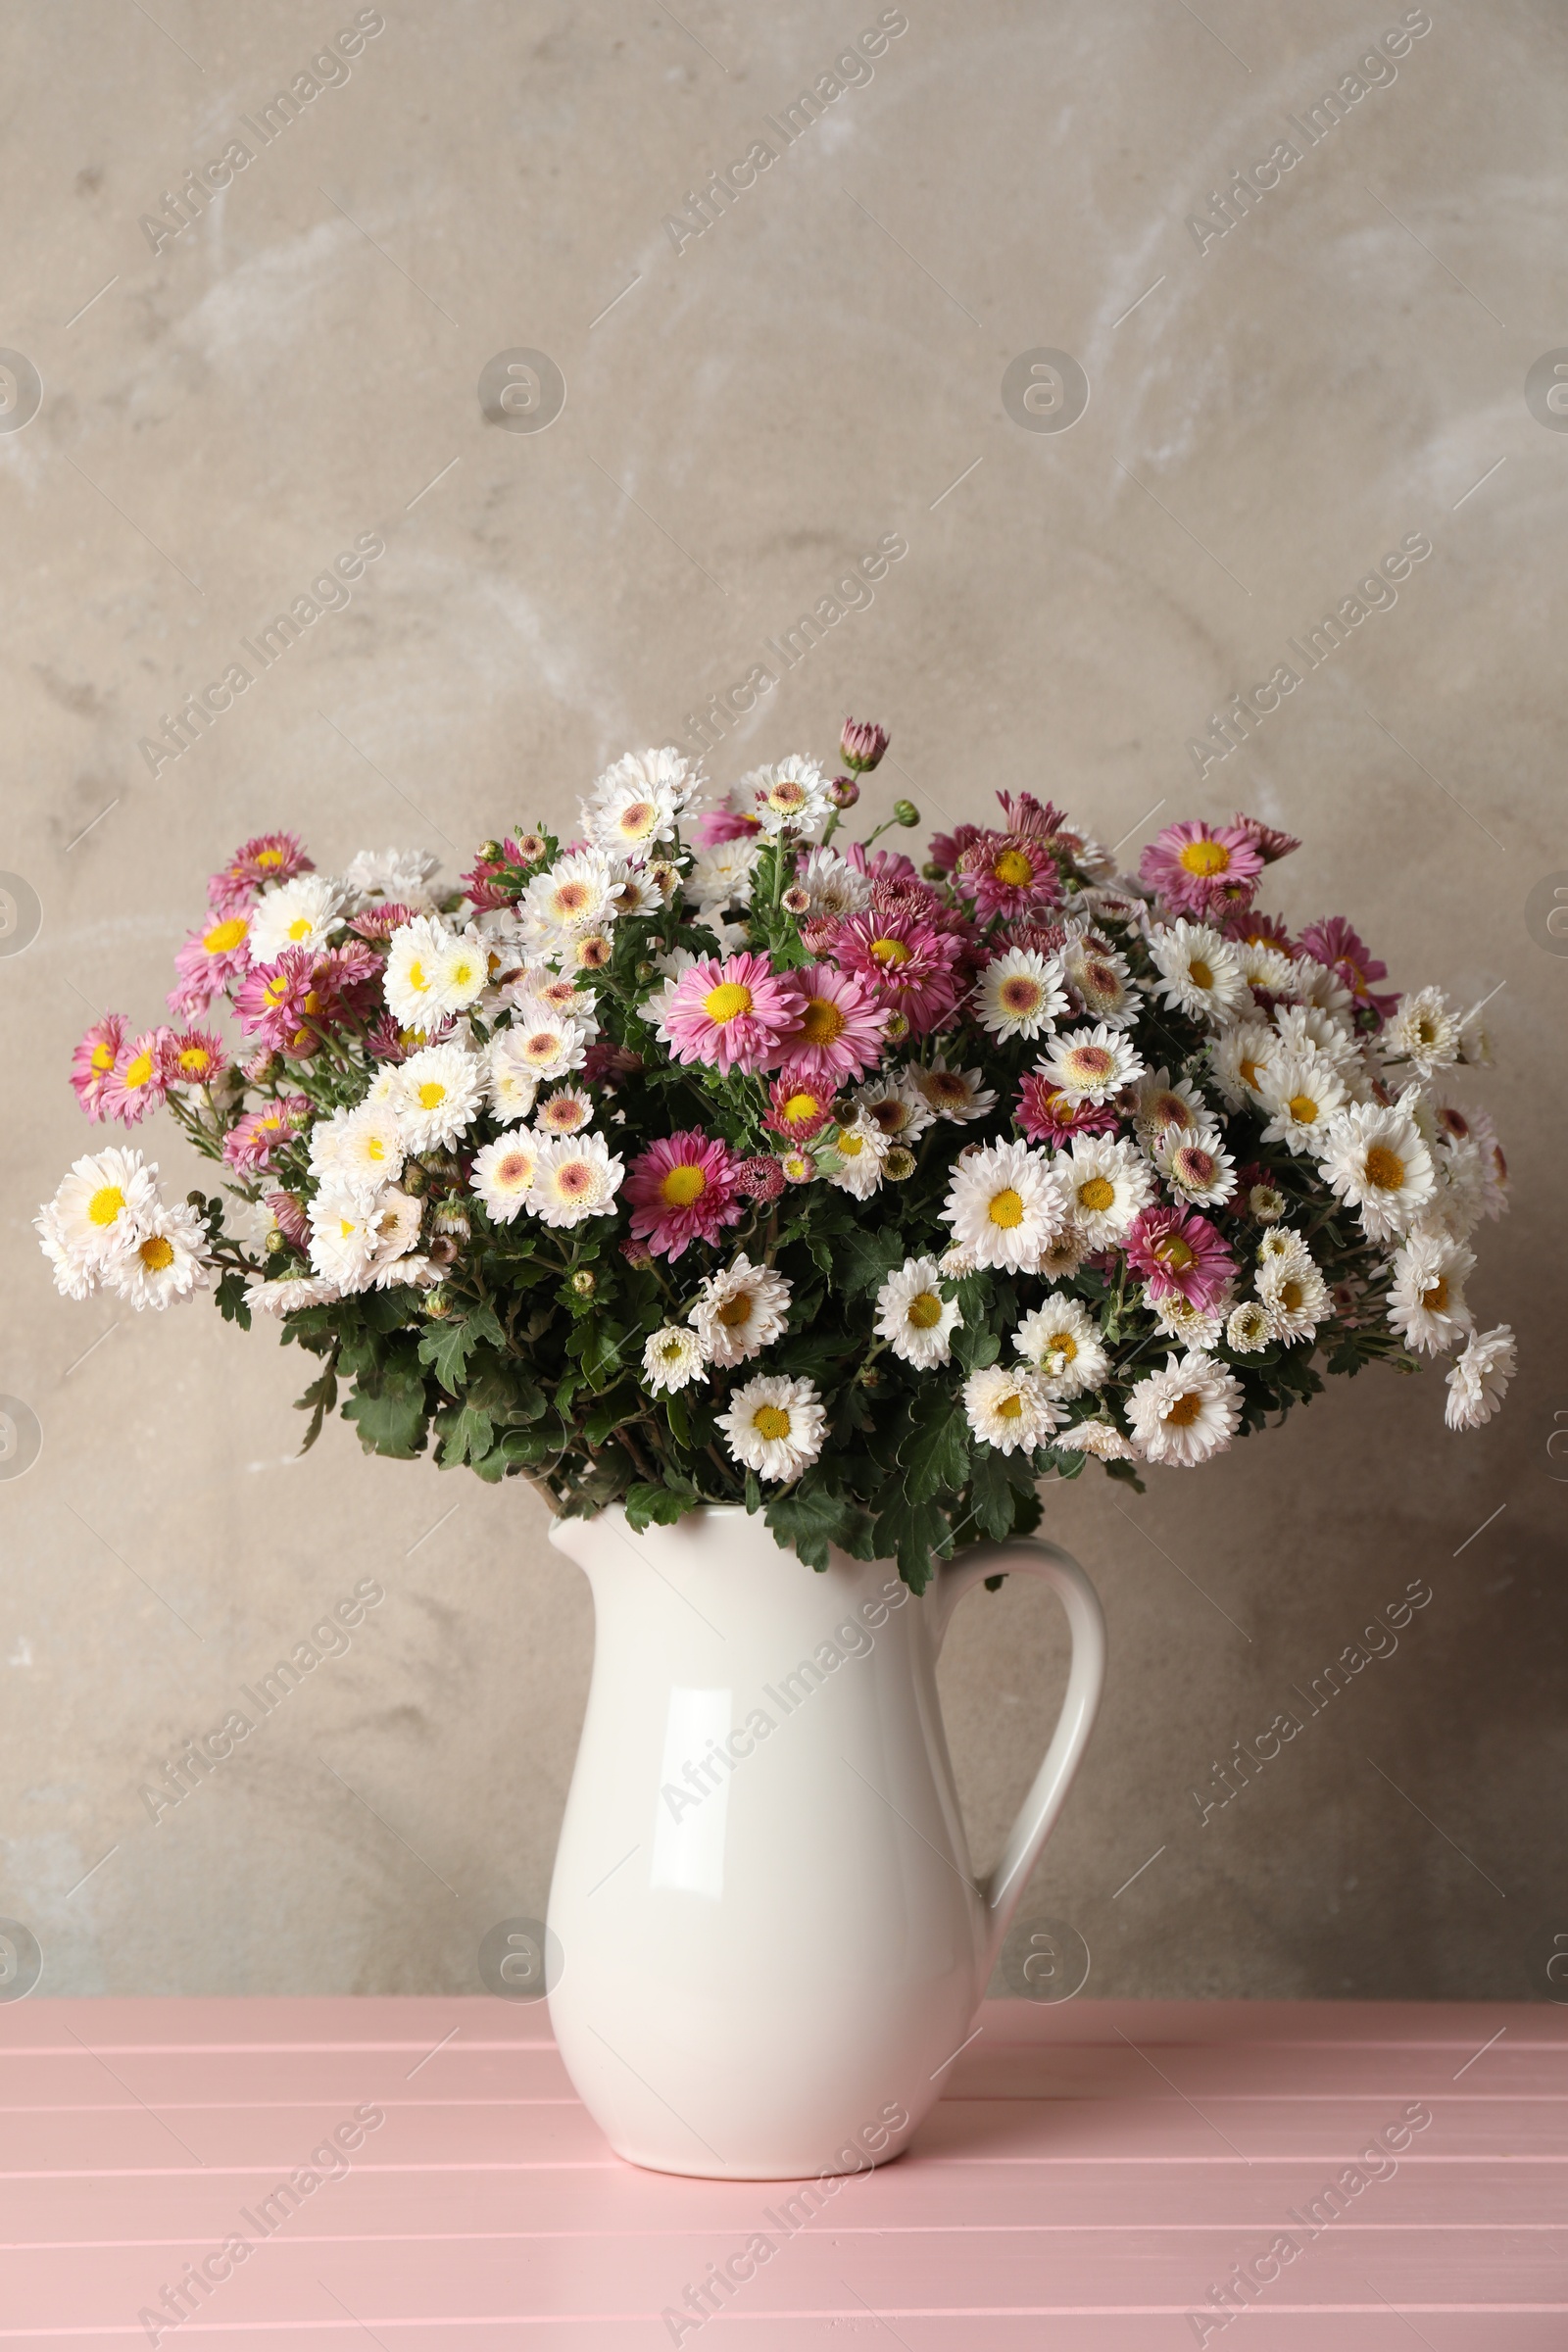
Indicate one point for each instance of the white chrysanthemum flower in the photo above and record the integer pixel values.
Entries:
(1296, 1295)
(1427, 1302)
(1088, 1065)
(414, 1272)
(1187, 1412)
(575, 1176)
(1374, 1159)
(957, 1262)
(1199, 1328)
(289, 1295)
(1004, 1202)
(1318, 984)
(1265, 966)
(1061, 1340)
(396, 1218)
(1200, 972)
(1164, 1105)
(672, 1359)
(1308, 1029)
(437, 1094)
(859, 1152)
(564, 1112)
(668, 770)
(774, 1426)
(463, 970)
(1267, 1203)
(343, 1239)
(503, 1172)
(634, 887)
(1479, 1379)
(794, 796)
(302, 913)
(1476, 1049)
(574, 896)
(1061, 1259)
(1283, 1242)
(741, 1311)
(100, 1206)
(414, 983)
(509, 1082)
(1425, 1031)
(1249, 1329)
(1197, 1168)
(628, 819)
(75, 1275)
(1107, 1183)
(832, 885)
(1019, 994)
(1304, 1094)
(162, 1261)
(1099, 1437)
(392, 878)
(359, 1150)
(1008, 1407)
(1240, 1060)
(955, 1095)
(1100, 983)
(722, 875)
(1462, 1187)
(543, 1042)
(896, 1105)
(914, 1317)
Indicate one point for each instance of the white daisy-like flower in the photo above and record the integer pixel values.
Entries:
(1200, 972)
(1308, 1029)
(1004, 1202)
(542, 1042)
(1008, 1407)
(564, 1112)
(858, 1153)
(437, 1094)
(957, 1262)
(463, 973)
(1461, 1196)
(1164, 1105)
(1099, 1437)
(1426, 1301)
(1019, 994)
(1319, 985)
(955, 1095)
(1249, 1329)
(774, 1426)
(289, 1295)
(721, 876)
(100, 1206)
(511, 1087)
(1267, 1203)
(1296, 1295)
(503, 1172)
(1088, 1065)
(1187, 1412)
(1479, 1379)
(628, 818)
(162, 1260)
(832, 885)
(1476, 1049)
(1302, 1094)
(894, 1106)
(391, 878)
(1425, 1031)
(75, 1275)
(1100, 982)
(1061, 1259)
(343, 1239)
(301, 913)
(1107, 1183)
(430, 972)
(396, 1218)
(672, 1359)
(1284, 1242)
(1061, 1340)
(1265, 966)
(1197, 1168)
(741, 1311)
(1199, 1328)
(668, 772)
(575, 1176)
(1374, 1159)
(634, 887)
(574, 896)
(914, 1317)
(360, 1149)
(414, 1272)
(794, 796)
(1240, 1058)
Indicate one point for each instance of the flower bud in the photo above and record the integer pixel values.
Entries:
(275, 1243)
(906, 812)
(843, 792)
(861, 744)
(585, 1282)
(899, 1165)
(452, 1217)
(934, 873)
(645, 972)
(796, 900)
(636, 1253)
(197, 1200)
(416, 1180)
(490, 852)
(438, 1303)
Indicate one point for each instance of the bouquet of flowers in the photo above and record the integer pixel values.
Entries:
(711, 1161)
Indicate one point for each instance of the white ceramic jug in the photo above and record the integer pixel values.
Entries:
(771, 1942)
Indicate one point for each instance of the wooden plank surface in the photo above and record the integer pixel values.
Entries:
(1095, 2172)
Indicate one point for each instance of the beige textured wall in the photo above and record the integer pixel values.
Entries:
(816, 370)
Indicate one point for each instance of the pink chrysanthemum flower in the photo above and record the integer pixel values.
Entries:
(883, 865)
(799, 1105)
(1253, 930)
(1190, 862)
(724, 824)
(1025, 814)
(1334, 943)
(376, 924)
(734, 1015)
(840, 1028)
(279, 1002)
(947, 849)
(908, 962)
(137, 1083)
(266, 858)
(760, 1179)
(1180, 1254)
(292, 1221)
(251, 1144)
(1266, 840)
(683, 1189)
(1048, 1116)
(1009, 874)
(194, 1056)
(210, 960)
(94, 1059)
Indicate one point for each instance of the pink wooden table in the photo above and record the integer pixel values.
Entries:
(1094, 2170)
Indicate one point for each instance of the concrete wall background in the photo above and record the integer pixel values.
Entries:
(1344, 367)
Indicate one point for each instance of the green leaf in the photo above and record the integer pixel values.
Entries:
(937, 1452)
(392, 1423)
(992, 1493)
(658, 1506)
(862, 1260)
(447, 1347)
(467, 1435)
(915, 1534)
(230, 1296)
(974, 1347)
(317, 1400)
(811, 1523)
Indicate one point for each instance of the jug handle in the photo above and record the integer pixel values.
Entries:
(1030, 1555)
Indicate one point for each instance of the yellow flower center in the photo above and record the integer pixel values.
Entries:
(195, 1060)
(430, 1093)
(1246, 1071)
(106, 1205)
(821, 1022)
(268, 857)
(1291, 1294)
(1090, 1062)
(461, 972)
(1434, 1299)
(417, 978)
(1302, 1109)
(1384, 1169)
(275, 990)
(801, 1107)
(736, 1311)
(138, 1072)
(849, 1146)
(1013, 868)
(1205, 858)
(1063, 1343)
(682, 1186)
(375, 1148)
(224, 938)
(727, 1001)
(890, 951)
(345, 1227)
(924, 1311)
(1171, 1250)
(1199, 974)
(300, 927)
(1185, 1409)
(1098, 1194)
(156, 1253)
(101, 1058)
(637, 820)
(1006, 1208)
(1011, 1409)
(771, 1421)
